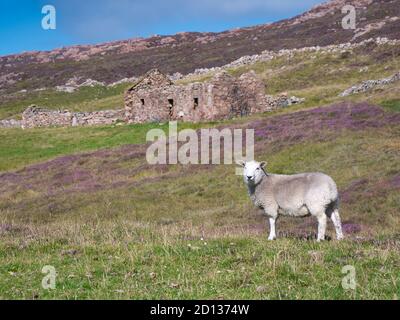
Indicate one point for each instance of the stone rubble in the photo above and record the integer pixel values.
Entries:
(281, 101)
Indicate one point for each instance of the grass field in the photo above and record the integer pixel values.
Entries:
(85, 201)
(93, 217)
(150, 266)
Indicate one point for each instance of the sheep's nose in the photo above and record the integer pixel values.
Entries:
(249, 177)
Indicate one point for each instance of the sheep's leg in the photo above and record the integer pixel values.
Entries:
(272, 231)
(321, 227)
(335, 217)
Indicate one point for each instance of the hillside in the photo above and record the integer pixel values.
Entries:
(93, 216)
(185, 52)
(319, 76)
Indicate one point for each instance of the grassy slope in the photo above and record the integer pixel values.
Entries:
(120, 243)
(202, 238)
(84, 99)
(20, 148)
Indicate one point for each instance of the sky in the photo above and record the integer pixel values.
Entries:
(90, 21)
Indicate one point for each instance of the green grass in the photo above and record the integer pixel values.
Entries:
(392, 104)
(202, 238)
(227, 268)
(22, 147)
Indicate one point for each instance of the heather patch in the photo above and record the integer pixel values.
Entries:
(320, 122)
(124, 166)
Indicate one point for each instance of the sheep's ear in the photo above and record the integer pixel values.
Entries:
(241, 163)
(263, 164)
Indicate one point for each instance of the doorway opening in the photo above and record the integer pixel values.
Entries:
(171, 107)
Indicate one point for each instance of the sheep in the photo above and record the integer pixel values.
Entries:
(298, 195)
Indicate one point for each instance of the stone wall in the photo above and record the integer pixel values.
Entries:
(270, 55)
(370, 84)
(12, 123)
(103, 117)
(39, 117)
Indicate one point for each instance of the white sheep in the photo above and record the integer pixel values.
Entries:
(296, 195)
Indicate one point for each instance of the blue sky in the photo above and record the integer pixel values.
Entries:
(89, 22)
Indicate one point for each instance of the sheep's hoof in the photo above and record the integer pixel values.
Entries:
(271, 238)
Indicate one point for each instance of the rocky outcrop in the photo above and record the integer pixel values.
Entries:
(34, 117)
(370, 84)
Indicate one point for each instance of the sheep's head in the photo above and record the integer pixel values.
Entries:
(253, 171)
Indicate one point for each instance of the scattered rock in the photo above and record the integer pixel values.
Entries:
(124, 80)
(71, 252)
(261, 289)
(73, 84)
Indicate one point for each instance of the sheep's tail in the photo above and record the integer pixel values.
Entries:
(332, 211)
(332, 207)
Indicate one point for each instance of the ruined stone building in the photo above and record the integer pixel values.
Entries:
(155, 98)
